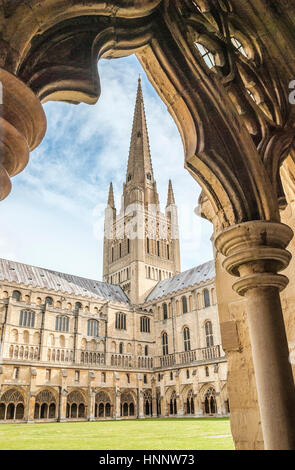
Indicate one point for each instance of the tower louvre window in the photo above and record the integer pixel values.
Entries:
(147, 245)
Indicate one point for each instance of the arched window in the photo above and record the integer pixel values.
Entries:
(145, 325)
(121, 348)
(184, 304)
(146, 350)
(165, 311)
(239, 46)
(206, 298)
(92, 328)
(62, 323)
(173, 404)
(207, 56)
(186, 339)
(209, 334)
(27, 318)
(49, 300)
(78, 306)
(120, 321)
(210, 401)
(16, 295)
(165, 343)
(147, 245)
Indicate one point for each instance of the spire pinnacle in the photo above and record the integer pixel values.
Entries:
(139, 169)
(170, 198)
(111, 201)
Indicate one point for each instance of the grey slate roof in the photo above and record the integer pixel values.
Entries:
(180, 281)
(12, 271)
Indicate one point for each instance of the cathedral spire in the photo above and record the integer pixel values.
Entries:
(139, 170)
(111, 200)
(170, 198)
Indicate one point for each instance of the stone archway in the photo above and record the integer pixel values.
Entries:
(45, 405)
(12, 405)
(235, 119)
(128, 407)
(103, 405)
(76, 405)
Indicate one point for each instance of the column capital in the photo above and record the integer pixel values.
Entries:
(255, 251)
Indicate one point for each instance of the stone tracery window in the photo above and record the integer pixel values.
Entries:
(206, 55)
(210, 401)
(45, 405)
(190, 407)
(102, 405)
(239, 46)
(75, 405)
(12, 405)
(173, 404)
(127, 404)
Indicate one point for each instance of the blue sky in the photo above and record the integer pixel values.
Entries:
(54, 215)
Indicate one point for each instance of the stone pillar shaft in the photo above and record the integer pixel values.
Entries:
(255, 252)
(273, 374)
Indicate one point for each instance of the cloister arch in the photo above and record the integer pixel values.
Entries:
(103, 405)
(12, 405)
(45, 404)
(76, 405)
(234, 151)
(128, 404)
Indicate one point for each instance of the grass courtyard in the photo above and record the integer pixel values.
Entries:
(151, 434)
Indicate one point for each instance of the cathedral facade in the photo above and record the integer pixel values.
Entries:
(145, 342)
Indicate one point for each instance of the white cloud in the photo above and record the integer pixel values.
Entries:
(49, 218)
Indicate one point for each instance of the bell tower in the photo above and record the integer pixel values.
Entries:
(141, 244)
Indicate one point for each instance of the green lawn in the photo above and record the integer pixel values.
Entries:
(150, 434)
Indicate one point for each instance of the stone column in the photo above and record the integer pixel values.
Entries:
(117, 408)
(63, 406)
(255, 251)
(140, 404)
(31, 408)
(198, 405)
(23, 125)
(91, 404)
(179, 399)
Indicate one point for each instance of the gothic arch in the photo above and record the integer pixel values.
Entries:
(128, 404)
(46, 404)
(12, 404)
(76, 404)
(103, 405)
